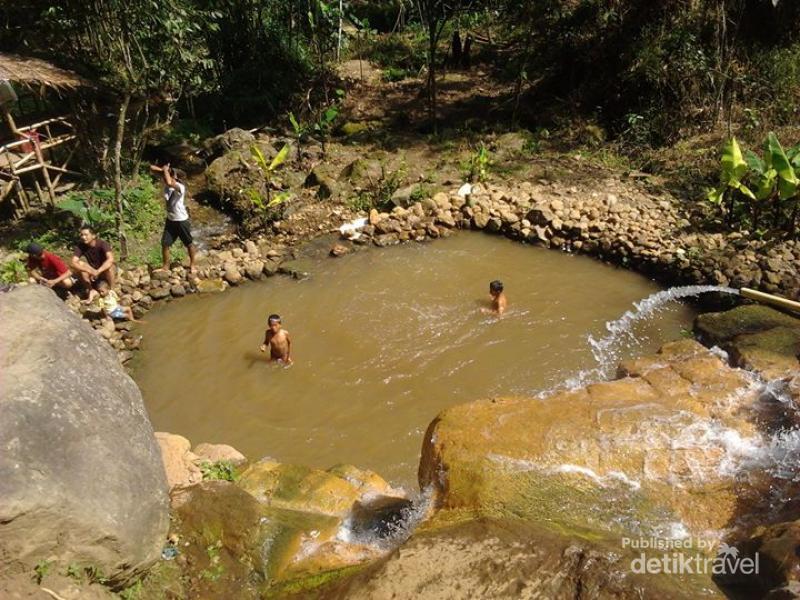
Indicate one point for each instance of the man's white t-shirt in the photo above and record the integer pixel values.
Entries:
(176, 206)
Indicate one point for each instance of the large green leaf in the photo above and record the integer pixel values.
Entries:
(787, 178)
(280, 158)
(754, 162)
(793, 154)
(765, 184)
(75, 206)
(733, 165)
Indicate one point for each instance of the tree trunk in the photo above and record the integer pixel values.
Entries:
(432, 81)
(339, 37)
(123, 111)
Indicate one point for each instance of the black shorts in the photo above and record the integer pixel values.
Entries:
(177, 229)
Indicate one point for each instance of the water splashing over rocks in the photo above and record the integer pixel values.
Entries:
(609, 349)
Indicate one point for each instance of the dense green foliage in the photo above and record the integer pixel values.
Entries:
(651, 71)
(644, 71)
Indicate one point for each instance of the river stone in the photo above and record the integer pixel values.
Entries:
(254, 269)
(386, 239)
(480, 220)
(205, 286)
(81, 478)
(252, 248)
(217, 452)
(177, 290)
(271, 266)
(179, 461)
(231, 273)
(601, 455)
(159, 293)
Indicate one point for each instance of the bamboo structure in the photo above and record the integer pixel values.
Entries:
(29, 165)
(765, 298)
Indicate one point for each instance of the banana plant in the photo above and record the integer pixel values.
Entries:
(763, 180)
(268, 170)
(788, 182)
(734, 168)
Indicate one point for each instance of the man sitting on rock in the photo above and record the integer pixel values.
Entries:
(48, 268)
(99, 260)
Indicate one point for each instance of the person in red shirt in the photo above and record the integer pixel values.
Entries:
(47, 268)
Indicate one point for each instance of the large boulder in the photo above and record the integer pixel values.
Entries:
(81, 478)
(649, 449)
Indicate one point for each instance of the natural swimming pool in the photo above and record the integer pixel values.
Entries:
(382, 342)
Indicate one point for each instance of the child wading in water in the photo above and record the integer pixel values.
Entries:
(499, 300)
(280, 346)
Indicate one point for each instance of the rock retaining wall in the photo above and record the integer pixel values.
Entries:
(624, 224)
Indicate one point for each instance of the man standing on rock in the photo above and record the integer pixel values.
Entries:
(99, 260)
(177, 224)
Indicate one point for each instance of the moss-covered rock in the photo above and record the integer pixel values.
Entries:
(220, 533)
(299, 488)
(758, 338)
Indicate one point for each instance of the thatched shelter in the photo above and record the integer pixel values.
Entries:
(36, 73)
(35, 157)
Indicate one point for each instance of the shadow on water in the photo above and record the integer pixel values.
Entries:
(252, 358)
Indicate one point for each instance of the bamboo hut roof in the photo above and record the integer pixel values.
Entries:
(36, 73)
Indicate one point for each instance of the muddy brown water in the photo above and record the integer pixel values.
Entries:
(382, 341)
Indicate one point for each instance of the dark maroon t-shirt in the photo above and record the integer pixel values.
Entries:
(95, 255)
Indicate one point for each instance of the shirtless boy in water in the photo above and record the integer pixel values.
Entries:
(499, 300)
(280, 346)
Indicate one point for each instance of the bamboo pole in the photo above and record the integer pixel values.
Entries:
(10, 121)
(770, 299)
(39, 191)
(40, 157)
(23, 195)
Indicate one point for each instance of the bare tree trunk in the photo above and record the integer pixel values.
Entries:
(339, 39)
(123, 111)
(432, 81)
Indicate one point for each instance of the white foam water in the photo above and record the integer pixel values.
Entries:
(608, 349)
(396, 533)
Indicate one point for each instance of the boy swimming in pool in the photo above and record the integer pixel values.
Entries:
(280, 346)
(499, 300)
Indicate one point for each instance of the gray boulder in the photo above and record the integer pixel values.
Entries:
(81, 478)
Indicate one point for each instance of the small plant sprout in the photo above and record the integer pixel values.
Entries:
(478, 167)
(268, 171)
(222, 469)
(41, 570)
